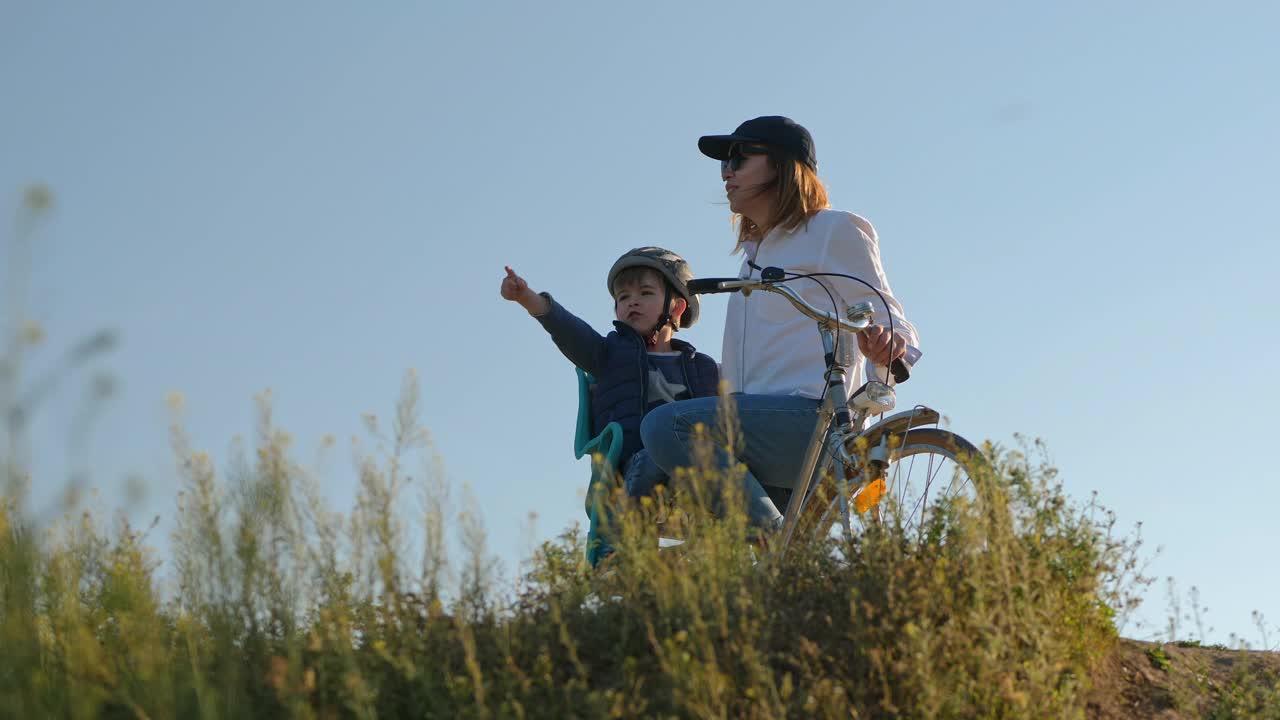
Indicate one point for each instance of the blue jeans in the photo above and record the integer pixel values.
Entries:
(775, 432)
(642, 475)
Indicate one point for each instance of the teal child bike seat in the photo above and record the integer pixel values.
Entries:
(608, 446)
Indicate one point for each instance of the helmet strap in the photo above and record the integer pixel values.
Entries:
(651, 340)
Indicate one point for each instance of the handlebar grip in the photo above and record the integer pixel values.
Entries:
(708, 286)
(901, 373)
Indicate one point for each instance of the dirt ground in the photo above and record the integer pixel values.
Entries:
(1168, 681)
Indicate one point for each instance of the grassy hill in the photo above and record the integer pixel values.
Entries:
(1002, 607)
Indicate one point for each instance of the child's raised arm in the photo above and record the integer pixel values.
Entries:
(575, 338)
(515, 289)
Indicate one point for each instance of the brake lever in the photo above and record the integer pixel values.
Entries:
(901, 373)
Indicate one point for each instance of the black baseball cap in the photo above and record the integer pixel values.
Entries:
(775, 130)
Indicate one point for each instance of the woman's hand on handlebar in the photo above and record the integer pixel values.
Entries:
(881, 347)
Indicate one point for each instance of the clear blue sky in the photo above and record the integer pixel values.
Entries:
(1076, 203)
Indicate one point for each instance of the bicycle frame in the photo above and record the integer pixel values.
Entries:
(838, 424)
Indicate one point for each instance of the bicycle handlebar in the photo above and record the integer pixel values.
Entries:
(708, 286)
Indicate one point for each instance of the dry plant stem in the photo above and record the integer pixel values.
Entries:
(13, 346)
(20, 399)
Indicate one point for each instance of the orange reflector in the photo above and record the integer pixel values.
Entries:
(870, 495)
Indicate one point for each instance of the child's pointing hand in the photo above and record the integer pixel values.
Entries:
(513, 286)
(515, 289)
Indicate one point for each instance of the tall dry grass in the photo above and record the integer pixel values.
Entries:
(284, 607)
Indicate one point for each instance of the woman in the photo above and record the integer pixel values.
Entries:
(772, 358)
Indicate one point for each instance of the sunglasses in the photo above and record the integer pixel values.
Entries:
(738, 156)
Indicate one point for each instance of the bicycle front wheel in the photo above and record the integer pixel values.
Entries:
(928, 468)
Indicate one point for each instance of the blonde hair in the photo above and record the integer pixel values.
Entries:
(800, 194)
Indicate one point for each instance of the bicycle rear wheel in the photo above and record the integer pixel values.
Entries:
(928, 468)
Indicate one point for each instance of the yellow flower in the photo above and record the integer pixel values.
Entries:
(176, 401)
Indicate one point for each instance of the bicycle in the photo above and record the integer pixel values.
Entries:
(868, 464)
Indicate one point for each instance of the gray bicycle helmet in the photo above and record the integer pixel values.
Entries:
(673, 268)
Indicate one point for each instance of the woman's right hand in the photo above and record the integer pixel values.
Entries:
(880, 346)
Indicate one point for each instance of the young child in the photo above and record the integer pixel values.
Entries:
(637, 366)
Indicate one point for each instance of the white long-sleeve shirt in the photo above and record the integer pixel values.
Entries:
(772, 349)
